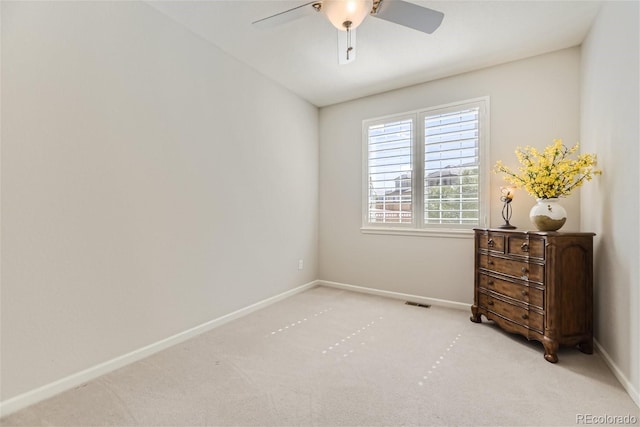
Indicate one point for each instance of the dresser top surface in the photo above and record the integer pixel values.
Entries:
(533, 232)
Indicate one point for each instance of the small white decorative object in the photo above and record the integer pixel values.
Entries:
(548, 215)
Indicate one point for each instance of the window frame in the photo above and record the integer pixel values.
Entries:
(418, 226)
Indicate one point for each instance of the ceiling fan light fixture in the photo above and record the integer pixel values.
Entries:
(341, 11)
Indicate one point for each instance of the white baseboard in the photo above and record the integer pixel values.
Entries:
(49, 390)
(396, 295)
(628, 386)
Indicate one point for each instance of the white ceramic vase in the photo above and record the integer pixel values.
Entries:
(548, 215)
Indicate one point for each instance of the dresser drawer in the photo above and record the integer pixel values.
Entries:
(493, 242)
(516, 291)
(510, 267)
(529, 318)
(526, 246)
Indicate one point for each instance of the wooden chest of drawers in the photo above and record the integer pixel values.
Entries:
(538, 284)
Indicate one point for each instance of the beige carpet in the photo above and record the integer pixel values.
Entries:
(328, 357)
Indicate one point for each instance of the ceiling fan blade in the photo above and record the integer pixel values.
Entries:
(287, 15)
(409, 15)
(346, 46)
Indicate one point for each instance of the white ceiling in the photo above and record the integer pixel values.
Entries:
(302, 55)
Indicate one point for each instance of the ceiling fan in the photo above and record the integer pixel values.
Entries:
(346, 15)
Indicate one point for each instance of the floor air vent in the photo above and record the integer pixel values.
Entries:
(417, 304)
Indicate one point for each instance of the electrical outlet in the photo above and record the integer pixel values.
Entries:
(300, 264)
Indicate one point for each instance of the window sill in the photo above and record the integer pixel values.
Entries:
(444, 232)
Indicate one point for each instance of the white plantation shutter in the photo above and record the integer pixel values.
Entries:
(425, 170)
(390, 161)
(451, 167)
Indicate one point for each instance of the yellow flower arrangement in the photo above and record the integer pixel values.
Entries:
(552, 173)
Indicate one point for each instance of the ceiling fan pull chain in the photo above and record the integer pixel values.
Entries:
(347, 25)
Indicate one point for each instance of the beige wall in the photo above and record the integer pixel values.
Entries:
(146, 179)
(532, 102)
(610, 205)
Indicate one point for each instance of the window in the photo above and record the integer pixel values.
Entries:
(425, 170)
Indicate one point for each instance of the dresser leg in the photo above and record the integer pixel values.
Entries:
(586, 346)
(550, 350)
(475, 316)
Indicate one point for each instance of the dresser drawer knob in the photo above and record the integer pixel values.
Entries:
(525, 270)
(525, 316)
(489, 302)
(490, 243)
(490, 262)
(490, 283)
(525, 247)
(525, 293)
